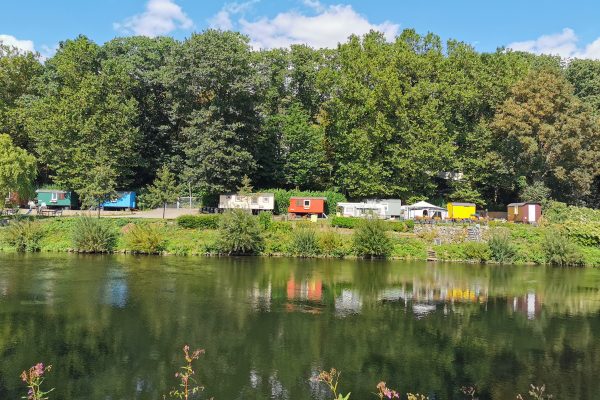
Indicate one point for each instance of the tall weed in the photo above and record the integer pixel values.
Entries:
(145, 239)
(25, 235)
(501, 246)
(305, 243)
(92, 235)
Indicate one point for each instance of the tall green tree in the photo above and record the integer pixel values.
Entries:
(546, 134)
(17, 169)
(99, 187)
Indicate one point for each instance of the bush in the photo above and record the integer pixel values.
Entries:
(501, 246)
(344, 222)
(333, 245)
(265, 219)
(145, 238)
(559, 250)
(25, 236)
(92, 235)
(370, 239)
(305, 243)
(410, 248)
(198, 221)
(239, 234)
(477, 251)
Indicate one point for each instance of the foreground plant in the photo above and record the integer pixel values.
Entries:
(187, 384)
(34, 378)
(537, 393)
(386, 393)
(331, 379)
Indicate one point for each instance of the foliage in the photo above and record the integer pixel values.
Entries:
(187, 384)
(91, 235)
(501, 247)
(344, 222)
(145, 239)
(371, 240)
(34, 378)
(99, 187)
(537, 192)
(25, 235)
(265, 219)
(558, 213)
(17, 169)
(331, 379)
(305, 242)
(477, 251)
(240, 233)
(163, 190)
(333, 245)
(559, 250)
(410, 248)
(352, 223)
(199, 221)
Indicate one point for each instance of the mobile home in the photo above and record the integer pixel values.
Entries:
(527, 213)
(457, 210)
(255, 202)
(122, 201)
(307, 206)
(385, 208)
(54, 198)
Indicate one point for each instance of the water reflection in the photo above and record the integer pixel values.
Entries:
(113, 326)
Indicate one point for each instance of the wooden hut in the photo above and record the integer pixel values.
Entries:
(54, 198)
(458, 211)
(306, 206)
(527, 213)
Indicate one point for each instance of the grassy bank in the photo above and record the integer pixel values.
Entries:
(563, 242)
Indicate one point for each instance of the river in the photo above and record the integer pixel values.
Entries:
(113, 326)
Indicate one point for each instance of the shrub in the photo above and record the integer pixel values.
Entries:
(305, 243)
(25, 236)
(344, 222)
(92, 235)
(370, 239)
(559, 250)
(146, 239)
(239, 234)
(265, 219)
(501, 246)
(410, 248)
(198, 221)
(398, 226)
(332, 244)
(477, 251)
(410, 225)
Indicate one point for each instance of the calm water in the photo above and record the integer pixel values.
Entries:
(113, 326)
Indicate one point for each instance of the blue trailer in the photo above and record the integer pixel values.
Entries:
(123, 201)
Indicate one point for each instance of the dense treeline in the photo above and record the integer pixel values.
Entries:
(414, 118)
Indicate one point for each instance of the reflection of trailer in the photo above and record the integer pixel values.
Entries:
(256, 202)
(307, 206)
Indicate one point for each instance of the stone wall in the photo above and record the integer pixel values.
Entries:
(446, 233)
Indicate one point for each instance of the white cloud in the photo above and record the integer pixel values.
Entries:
(222, 20)
(325, 26)
(564, 44)
(23, 45)
(159, 18)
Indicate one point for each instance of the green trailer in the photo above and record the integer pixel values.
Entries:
(52, 198)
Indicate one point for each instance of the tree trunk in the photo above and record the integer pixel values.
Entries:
(164, 209)
(98, 210)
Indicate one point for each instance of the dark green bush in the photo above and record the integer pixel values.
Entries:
(239, 234)
(477, 251)
(344, 222)
(92, 235)
(559, 250)
(199, 221)
(501, 246)
(145, 239)
(370, 239)
(265, 219)
(305, 243)
(25, 235)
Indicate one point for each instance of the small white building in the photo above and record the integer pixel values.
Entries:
(384, 208)
(256, 202)
(424, 210)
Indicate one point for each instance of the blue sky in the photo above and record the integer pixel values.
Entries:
(569, 29)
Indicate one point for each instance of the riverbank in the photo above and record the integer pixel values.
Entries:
(198, 236)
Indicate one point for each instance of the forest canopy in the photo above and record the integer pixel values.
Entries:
(414, 118)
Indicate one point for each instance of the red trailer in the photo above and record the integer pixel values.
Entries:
(527, 213)
(306, 206)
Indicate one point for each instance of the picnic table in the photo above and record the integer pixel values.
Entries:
(9, 211)
(50, 212)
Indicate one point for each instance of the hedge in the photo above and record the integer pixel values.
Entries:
(352, 223)
(198, 221)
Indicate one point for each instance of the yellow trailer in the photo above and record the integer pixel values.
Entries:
(461, 210)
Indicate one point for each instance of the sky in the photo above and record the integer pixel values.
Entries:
(566, 28)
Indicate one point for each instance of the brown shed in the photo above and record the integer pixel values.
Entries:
(527, 213)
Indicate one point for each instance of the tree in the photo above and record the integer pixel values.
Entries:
(542, 131)
(537, 192)
(17, 169)
(163, 190)
(99, 187)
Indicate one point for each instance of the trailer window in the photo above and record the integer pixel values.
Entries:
(53, 197)
(306, 203)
